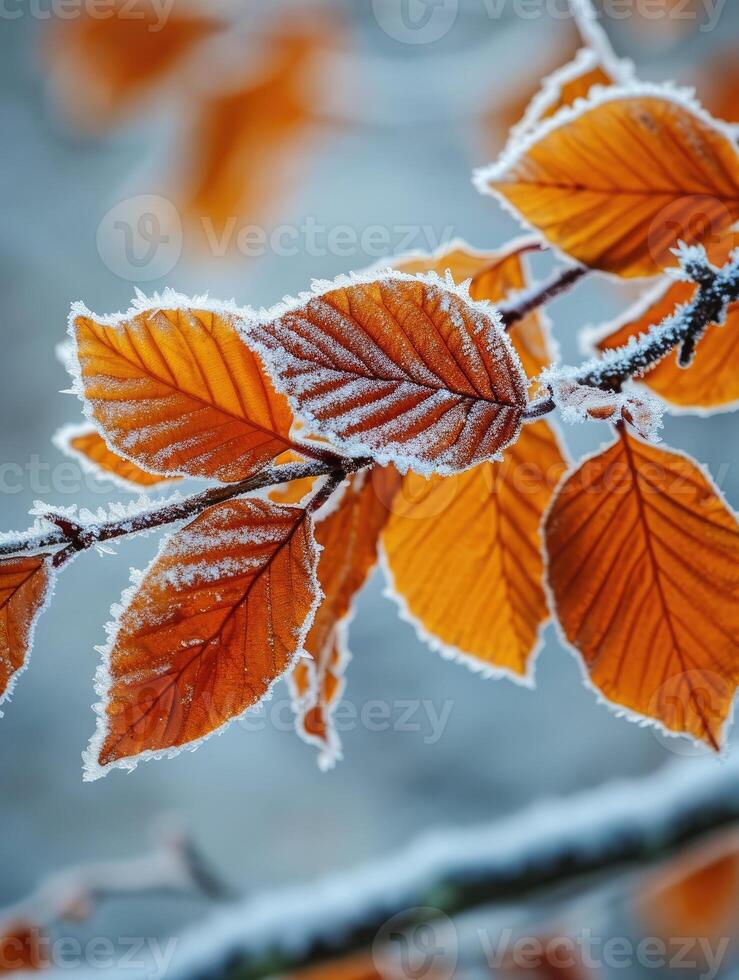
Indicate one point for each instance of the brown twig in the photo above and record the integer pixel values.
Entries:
(560, 283)
(174, 867)
(70, 537)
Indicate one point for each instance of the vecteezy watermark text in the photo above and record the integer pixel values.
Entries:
(155, 12)
(426, 21)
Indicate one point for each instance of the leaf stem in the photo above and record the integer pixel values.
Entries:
(542, 293)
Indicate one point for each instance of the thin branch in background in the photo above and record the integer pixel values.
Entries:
(555, 848)
(175, 867)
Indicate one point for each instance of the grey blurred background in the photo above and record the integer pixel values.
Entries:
(254, 800)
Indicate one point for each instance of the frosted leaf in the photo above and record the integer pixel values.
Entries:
(406, 369)
(582, 403)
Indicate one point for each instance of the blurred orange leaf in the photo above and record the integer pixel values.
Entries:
(177, 391)
(464, 553)
(359, 967)
(621, 179)
(349, 535)
(643, 565)
(403, 369)
(244, 142)
(87, 445)
(696, 894)
(21, 948)
(219, 615)
(104, 66)
(24, 587)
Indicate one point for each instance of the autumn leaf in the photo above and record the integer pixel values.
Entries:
(349, 536)
(713, 379)
(359, 967)
(463, 555)
(85, 444)
(176, 391)
(244, 143)
(21, 948)
(643, 566)
(617, 181)
(696, 894)
(25, 583)
(568, 84)
(220, 614)
(407, 370)
(103, 68)
(493, 276)
(718, 85)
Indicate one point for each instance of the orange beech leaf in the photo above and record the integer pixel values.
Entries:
(695, 895)
(104, 67)
(176, 391)
(548, 957)
(718, 86)
(643, 566)
(492, 275)
(463, 554)
(349, 536)
(25, 584)
(619, 179)
(21, 948)
(713, 378)
(85, 444)
(220, 614)
(359, 967)
(574, 81)
(245, 143)
(408, 370)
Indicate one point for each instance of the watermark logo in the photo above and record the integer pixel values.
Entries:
(415, 21)
(692, 700)
(417, 944)
(140, 239)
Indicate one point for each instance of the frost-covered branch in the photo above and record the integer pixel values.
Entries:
(66, 535)
(717, 289)
(174, 867)
(554, 848)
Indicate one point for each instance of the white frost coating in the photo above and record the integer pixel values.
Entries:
(591, 31)
(404, 454)
(591, 336)
(92, 770)
(682, 97)
(62, 440)
(293, 919)
(7, 694)
(643, 721)
(586, 60)
(583, 403)
(40, 526)
(469, 660)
